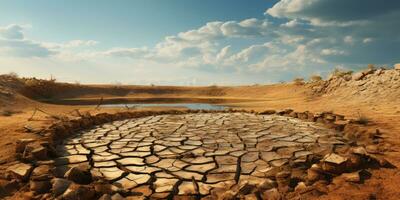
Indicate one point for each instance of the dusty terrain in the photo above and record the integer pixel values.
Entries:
(373, 94)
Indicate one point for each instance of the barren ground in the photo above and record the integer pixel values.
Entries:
(383, 113)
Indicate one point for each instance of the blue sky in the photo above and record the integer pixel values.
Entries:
(195, 42)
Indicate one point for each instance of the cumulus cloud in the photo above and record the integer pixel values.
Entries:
(309, 35)
(333, 12)
(12, 31)
(126, 52)
(13, 43)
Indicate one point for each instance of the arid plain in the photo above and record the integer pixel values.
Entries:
(368, 99)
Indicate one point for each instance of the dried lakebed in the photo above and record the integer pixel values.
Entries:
(193, 154)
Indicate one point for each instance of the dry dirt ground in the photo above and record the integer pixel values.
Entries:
(383, 112)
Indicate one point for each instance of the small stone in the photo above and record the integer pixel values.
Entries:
(21, 144)
(267, 184)
(41, 173)
(397, 66)
(228, 195)
(78, 192)
(272, 194)
(301, 186)
(351, 177)
(358, 76)
(105, 197)
(40, 187)
(79, 174)
(59, 186)
(359, 151)
(21, 171)
(314, 173)
(40, 153)
(117, 196)
(334, 158)
(268, 112)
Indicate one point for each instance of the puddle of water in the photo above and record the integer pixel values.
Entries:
(193, 106)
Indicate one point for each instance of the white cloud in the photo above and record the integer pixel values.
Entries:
(367, 40)
(12, 31)
(330, 52)
(348, 39)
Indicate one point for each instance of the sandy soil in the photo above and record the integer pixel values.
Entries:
(384, 115)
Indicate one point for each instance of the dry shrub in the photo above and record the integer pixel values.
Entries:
(298, 81)
(371, 66)
(341, 73)
(8, 112)
(41, 88)
(362, 119)
(315, 78)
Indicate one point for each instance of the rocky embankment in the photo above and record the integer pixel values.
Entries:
(368, 85)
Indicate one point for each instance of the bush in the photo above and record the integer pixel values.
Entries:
(298, 81)
(341, 73)
(362, 119)
(315, 78)
(371, 66)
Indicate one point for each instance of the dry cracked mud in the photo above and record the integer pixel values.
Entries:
(192, 154)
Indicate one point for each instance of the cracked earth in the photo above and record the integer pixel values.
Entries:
(194, 154)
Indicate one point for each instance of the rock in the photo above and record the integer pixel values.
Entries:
(246, 188)
(314, 173)
(80, 174)
(268, 112)
(40, 153)
(359, 151)
(105, 197)
(8, 187)
(59, 186)
(40, 187)
(117, 196)
(41, 173)
(75, 192)
(21, 171)
(267, 184)
(351, 177)
(300, 187)
(397, 66)
(228, 195)
(272, 194)
(358, 76)
(334, 158)
(21, 144)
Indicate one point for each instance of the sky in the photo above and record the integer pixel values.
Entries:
(195, 42)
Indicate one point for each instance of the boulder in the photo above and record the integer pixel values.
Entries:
(117, 196)
(21, 171)
(40, 187)
(267, 184)
(314, 173)
(300, 187)
(272, 194)
(8, 187)
(79, 174)
(358, 76)
(59, 186)
(105, 197)
(351, 177)
(79, 192)
(397, 66)
(334, 158)
(21, 144)
(40, 153)
(41, 173)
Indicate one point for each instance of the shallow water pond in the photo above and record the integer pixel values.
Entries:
(193, 106)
